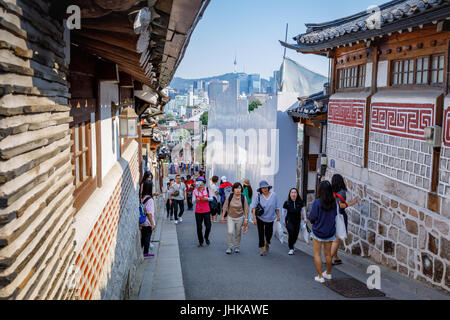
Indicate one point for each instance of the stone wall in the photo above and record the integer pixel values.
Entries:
(406, 160)
(107, 259)
(36, 183)
(391, 231)
(346, 143)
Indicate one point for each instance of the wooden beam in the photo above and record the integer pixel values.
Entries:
(126, 80)
(109, 38)
(107, 71)
(114, 22)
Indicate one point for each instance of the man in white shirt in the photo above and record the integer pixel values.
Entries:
(177, 198)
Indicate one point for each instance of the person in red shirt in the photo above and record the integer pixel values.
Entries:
(190, 187)
(225, 189)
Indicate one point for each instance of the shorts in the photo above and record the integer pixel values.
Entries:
(331, 239)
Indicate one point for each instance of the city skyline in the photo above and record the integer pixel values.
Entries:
(257, 25)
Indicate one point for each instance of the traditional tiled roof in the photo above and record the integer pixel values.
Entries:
(392, 16)
(311, 106)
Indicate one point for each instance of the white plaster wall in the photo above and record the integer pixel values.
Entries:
(382, 75)
(109, 92)
(369, 72)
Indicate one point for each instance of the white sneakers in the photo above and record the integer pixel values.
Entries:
(291, 252)
(327, 276)
(180, 219)
(324, 276)
(321, 280)
(176, 222)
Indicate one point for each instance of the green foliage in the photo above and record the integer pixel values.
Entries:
(254, 105)
(204, 119)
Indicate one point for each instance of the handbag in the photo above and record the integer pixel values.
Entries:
(259, 210)
(341, 231)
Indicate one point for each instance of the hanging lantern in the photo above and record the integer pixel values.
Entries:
(128, 123)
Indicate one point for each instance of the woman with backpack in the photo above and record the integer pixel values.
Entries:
(147, 223)
(237, 207)
(215, 201)
(340, 194)
(293, 206)
(323, 218)
(202, 211)
(266, 211)
(225, 189)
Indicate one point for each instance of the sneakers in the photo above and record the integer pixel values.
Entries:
(176, 221)
(148, 255)
(200, 245)
(291, 252)
(327, 276)
(320, 280)
(236, 250)
(151, 246)
(180, 219)
(229, 251)
(207, 242)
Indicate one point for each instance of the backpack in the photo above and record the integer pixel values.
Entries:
(242, 201)
(142, 214)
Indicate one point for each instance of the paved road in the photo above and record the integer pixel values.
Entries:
(209, 273)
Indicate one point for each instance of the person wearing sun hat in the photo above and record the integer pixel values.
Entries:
(269, 201)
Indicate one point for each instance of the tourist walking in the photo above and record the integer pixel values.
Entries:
(293, 206)
(266, 211)
(248, 192)
(177, 197)
(148, 225)
(215, 201)
(340, 194)
(169, 207)
(202, 211)
(146, 186)
(323, 219)
(237, 207)
(225, 189)
(190, 186)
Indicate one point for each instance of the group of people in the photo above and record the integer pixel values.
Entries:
(237, 205)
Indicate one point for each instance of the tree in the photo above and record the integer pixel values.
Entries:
(254, 105)
(204, 118)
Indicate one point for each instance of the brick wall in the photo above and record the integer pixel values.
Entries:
(403, 159)
(108, 253)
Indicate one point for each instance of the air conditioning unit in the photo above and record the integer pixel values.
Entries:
(433, 136)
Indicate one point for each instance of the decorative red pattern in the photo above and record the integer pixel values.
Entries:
(348, 113)
(403, 120)
(447, 127)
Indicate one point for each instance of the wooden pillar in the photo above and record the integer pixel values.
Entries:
(98, 137)
(373, 90)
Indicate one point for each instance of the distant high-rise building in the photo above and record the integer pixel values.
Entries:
(254, 83)
(215, 88)
(243, 83)
(200, 84)
(277, 81)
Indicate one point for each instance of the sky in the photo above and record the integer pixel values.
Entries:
(250, 29)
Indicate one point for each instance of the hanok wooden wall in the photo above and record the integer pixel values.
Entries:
(36, 183)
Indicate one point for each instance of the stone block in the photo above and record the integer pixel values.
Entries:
(385, 201)
(422, 216)
(411, 260)
(349, 239)
(429, 221)
(402, 269)
(356, 249)
(447, 276)
(365, 248)
(365, 208)
(372, 225)
(404, 208)
(389, 247)
(441, 226)
(375, 255)
(433, 244)
(393, 233)
(413, 213)
(438, 270)
(427, 265)
(382, 229)
(392, 263)
(355, 218)
(385, 216)
(362, 234)
(379, 243)
(374, 210)
(405, 238)
(371, 237)
(422, 238)
(397, 221)
(411, 226)
(445, 249)
(394, 204)
(401, 254)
